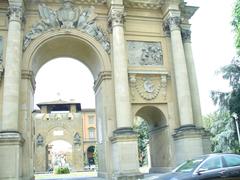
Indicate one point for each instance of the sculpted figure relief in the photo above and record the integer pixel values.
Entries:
(68, 16)
(145, 53)
(77, 139)
(48, 16)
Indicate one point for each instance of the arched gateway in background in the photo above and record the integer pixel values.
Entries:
(139, 53)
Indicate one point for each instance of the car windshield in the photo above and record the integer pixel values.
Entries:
(189, 165)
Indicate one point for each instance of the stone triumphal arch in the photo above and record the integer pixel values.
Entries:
(139, 53)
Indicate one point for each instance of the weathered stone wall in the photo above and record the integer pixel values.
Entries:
(46, 125)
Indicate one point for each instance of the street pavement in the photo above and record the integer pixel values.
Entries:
(89, 177)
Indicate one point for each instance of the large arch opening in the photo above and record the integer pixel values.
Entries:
(81, 47)
(155, 146)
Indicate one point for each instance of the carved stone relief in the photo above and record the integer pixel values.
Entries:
(77, 139)
(145, 53)
(148, 87)
(67, 17)
(39, 140)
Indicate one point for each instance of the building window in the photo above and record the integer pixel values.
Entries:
(91, 119)
(91, 133)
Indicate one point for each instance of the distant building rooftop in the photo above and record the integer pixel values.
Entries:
(60, 105)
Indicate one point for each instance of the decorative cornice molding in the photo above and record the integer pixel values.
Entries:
(15, 13)
(144, 4)
(187, 11)
(116, 16)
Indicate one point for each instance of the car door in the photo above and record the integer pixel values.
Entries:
(232, 166)
(211, 168)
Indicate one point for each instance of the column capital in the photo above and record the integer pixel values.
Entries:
(186, 35)
(171, 23)
(116, 16)
(15, 13)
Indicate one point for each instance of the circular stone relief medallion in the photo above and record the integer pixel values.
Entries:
(147, 88)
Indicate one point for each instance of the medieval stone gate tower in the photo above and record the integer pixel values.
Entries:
(139, 53)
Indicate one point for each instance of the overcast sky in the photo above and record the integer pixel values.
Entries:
(213, 47)
(212, 44)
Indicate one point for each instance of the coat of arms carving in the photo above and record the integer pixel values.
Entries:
(67, 17)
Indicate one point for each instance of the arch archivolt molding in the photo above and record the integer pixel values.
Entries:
(49, 137)
(84, 39)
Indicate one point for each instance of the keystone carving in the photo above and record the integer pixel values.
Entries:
(67, 17)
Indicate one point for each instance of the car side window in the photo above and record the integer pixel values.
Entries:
(213, 163)
(232, 160)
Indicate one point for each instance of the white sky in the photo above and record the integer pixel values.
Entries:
(212, 44)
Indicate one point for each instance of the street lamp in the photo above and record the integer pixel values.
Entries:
(235, 117)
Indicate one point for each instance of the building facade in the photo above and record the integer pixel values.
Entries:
(64, 121)
(139, 53)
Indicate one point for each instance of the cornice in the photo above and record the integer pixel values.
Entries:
(144, 4)
(76, 2)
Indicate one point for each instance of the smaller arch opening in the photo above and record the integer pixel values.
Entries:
(153, 116)
(91, 157)
(150, 124)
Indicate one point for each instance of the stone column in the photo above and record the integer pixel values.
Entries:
(12, 70)
(10, 139)
(197, 115)
(125, 163)
(180, 69)
(120, 67)
(187, 135)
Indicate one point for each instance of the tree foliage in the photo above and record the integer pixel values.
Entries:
(221, 123)
(223, 134)
(236, 22)
(143, 139)
(230, 100)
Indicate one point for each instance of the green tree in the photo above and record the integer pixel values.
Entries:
(230, 100)
(141, 127)
(221, 123)
(236, 23)
(222, 128)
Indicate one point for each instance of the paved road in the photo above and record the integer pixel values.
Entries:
(146, 177)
